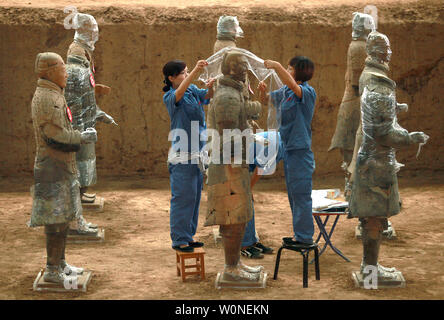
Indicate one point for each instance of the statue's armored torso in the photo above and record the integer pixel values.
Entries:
(375, 189)
(229, 195)
(80, 96)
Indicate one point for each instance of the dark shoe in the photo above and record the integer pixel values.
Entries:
(252, 253)
(262, 248)
(290, 242)
(195, 244)
(184, 249)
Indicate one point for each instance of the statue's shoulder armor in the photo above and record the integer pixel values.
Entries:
(380, 83)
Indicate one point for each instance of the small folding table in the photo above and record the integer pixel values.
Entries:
(322, 223)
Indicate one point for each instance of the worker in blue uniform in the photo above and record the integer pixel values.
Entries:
(263, 161)
(184, 102)
(297, 101)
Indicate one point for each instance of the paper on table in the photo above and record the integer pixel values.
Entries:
(320, 200)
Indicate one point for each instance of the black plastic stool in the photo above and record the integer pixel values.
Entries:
(305, 251)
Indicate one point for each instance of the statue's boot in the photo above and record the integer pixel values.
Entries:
(371, 240)
(80, 226)
(54, 274)
(85, 199)
(380, 268)
(232, 239)
(88, 224)
(54, 249)
(250, 269)
(67, 268)
(87, 195)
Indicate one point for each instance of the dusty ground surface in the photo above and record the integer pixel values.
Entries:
(137, 262)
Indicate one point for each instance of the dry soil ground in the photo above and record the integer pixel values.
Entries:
(136, 260)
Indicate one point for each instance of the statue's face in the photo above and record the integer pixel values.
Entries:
(58, 75)
(238, 67)
(383, 52)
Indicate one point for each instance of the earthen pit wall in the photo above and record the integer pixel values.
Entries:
(134, 46)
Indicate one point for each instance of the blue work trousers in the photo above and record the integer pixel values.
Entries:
(186, 188)
(299, 166)
(250, 237)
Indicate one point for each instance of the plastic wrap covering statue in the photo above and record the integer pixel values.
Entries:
(87, 30)
(79, 93)
(56, 198)
(375, 187)
(228, 30)
(348, 118)
(255, 66)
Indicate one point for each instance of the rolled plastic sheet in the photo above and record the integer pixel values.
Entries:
(362, 25)
(228, 28)
(258, 70)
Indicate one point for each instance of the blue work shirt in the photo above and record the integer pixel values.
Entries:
(274, 154)
(187, 109)
(296, 116)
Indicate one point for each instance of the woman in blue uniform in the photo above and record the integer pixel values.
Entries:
(264, 162)
(297, 100)
(184, 102)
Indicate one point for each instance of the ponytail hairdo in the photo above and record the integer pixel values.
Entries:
(172, 68)
(303, 67)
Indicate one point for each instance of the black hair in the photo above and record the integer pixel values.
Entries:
(303, 67)
(172, 68)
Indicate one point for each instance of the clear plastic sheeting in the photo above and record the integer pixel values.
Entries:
(79, 94)
(378, 119)
(228, 28)
(362, 25)
(258, 70)
(80, 97)
(87, 29)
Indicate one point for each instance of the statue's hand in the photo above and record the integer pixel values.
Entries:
(418, 137)
(101, 89)
(89, 135)
(402, 107)
(108, 119)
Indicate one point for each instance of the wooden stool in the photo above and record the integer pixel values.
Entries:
(198, 254)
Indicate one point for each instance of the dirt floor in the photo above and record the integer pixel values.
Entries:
(136, 260)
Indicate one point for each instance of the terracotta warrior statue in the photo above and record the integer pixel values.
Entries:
(229, 194)
(374, 196)
(81, 93)
(56, 197)
(349, 115)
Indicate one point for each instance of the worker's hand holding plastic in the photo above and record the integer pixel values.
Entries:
(89, 136)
